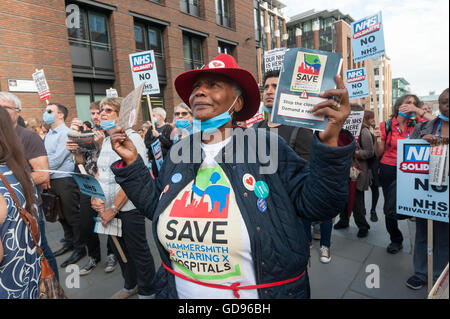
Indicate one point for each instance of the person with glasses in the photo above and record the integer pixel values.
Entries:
(36, 156)
(139, 270)
(62, 184)
(406, 114)
(87, 223)
(182, 120)
(159, 130)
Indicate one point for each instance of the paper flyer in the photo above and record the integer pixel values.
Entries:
(304, 75)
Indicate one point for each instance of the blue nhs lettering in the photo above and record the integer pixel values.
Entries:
(365, 24)
(142, 59)
(417, 153)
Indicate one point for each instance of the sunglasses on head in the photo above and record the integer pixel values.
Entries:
(106, 110)
(181, 113)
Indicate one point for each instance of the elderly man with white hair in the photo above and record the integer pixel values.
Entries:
(160, 130)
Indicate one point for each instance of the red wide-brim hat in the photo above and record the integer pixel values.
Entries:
(226, 65)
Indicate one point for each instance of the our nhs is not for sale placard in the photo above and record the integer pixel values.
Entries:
(143, 69)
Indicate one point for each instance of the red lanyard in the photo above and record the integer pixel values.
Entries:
(235, 287)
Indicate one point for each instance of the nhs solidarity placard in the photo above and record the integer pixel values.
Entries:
(357, 83)
(143, 69)
(368, 38)
(415, 195)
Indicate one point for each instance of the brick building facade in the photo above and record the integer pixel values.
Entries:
(83, 45)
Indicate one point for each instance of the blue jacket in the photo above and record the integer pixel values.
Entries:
(317, 190)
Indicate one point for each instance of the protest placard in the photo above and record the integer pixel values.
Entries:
(354, 123)
(89, 185)
(415, 195)
(357, 83)
(304, 75)
(157, 153)
(143, 70)
(111, 93)
(41, 85)
(368, 38)
(130, 108)
(256, 118)
(273, 59)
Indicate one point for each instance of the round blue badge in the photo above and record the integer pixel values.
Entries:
(261, 189)
(262, 205)
(176, 178)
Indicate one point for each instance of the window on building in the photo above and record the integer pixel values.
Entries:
(191, 7)
(376, 71)
(223, 12)
(193, 52)
(148, 37)
(272, 31)
(307, 26)
(325, 41)
(307, 43)
(93, 31)
(225, 48)
(377, 84)
(86, 92)
(257, 25)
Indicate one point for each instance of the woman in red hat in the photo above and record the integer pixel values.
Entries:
(224, 229)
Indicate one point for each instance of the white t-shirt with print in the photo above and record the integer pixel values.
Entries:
(205, 234)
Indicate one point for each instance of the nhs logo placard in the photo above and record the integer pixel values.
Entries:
(368, 38)
(416, 158)
(357, 83)
(143, 69)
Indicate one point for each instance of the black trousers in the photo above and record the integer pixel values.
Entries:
(140, 269)
(68, 190)
(87, 225)
(388, 181)
(359, 212)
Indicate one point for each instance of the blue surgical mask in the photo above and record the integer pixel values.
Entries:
(266, 109)
(213, 124)
(48, 118)
(155, 121)
(406, 116)
(443, 117)
(108, 125)
(182, 123)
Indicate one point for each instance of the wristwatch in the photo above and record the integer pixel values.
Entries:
(114, 209)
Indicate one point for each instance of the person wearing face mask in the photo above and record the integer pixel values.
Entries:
(62, 183)
(434, 132)
(182, 121)
(139, 270)
(159, 130)
(400, 126)
(224, 226)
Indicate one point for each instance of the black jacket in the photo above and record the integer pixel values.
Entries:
(317, 190)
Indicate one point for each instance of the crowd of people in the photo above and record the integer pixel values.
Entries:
(260, 225)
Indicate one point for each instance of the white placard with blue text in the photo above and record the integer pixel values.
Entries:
(415, 196)
(143, 69)
(368, 38)
(357, 83)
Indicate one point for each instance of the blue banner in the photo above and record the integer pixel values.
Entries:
(357, 83)
(368, 38)
(415, 196)
(89, 185)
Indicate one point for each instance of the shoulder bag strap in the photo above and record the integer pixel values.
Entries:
(27, 218)
(293, 137)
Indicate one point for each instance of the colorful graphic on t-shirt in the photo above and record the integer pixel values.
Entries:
(202, 228)
(213, 191)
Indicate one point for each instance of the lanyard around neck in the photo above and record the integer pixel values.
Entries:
(400, 131)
